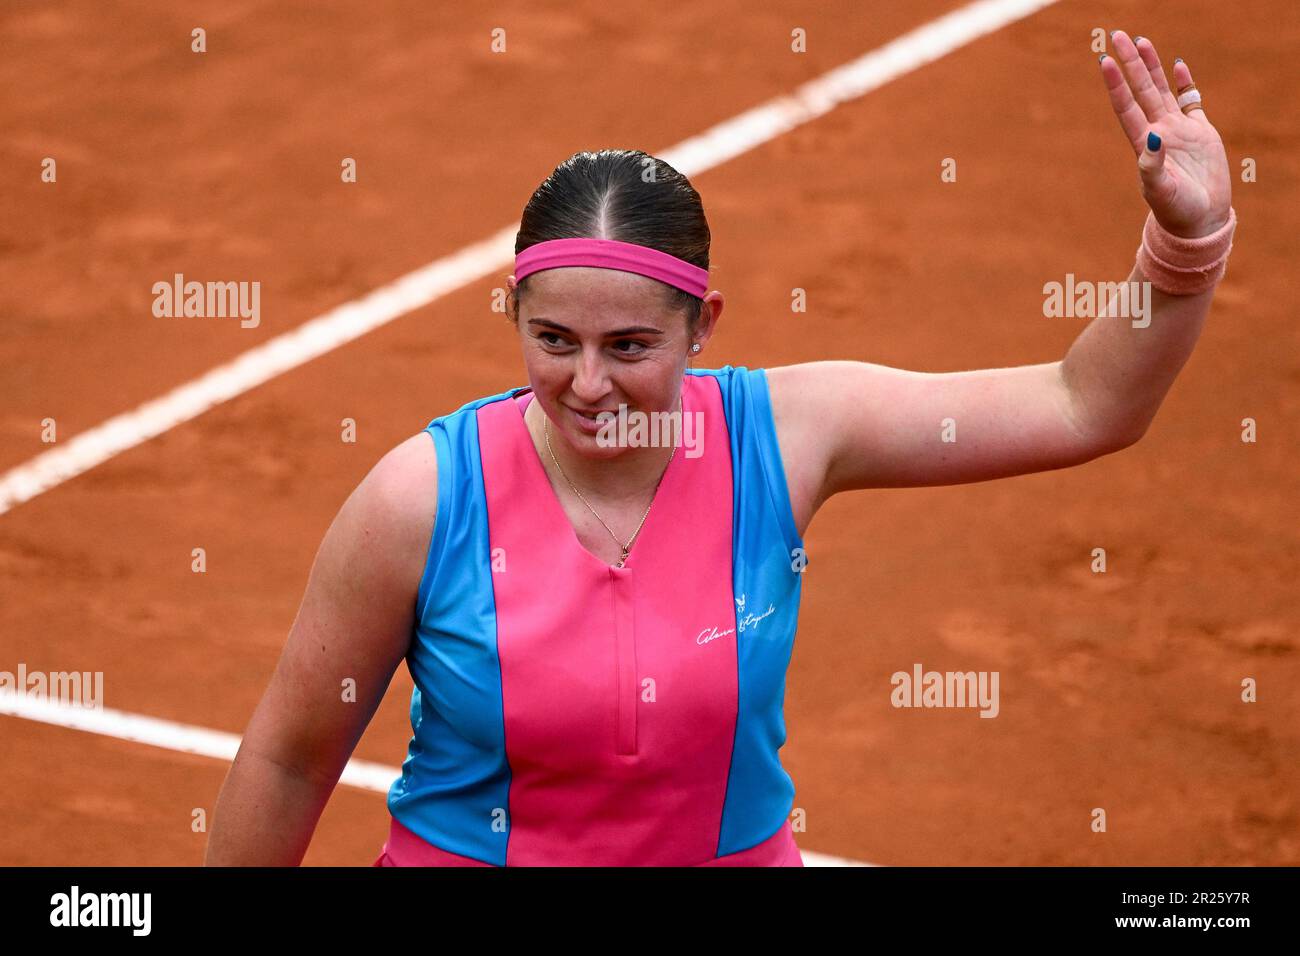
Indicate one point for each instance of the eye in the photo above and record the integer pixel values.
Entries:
(554, 340)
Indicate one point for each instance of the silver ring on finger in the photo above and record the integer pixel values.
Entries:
(1189, 98)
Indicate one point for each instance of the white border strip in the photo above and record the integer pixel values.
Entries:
(186, 738)
(429, 283)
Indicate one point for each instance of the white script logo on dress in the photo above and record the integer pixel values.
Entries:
(712, 633)
(744, 620)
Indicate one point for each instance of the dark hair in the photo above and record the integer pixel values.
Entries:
(622, 194)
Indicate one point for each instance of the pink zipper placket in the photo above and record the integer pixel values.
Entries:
(627, 698)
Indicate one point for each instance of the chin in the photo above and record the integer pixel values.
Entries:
(589, 446)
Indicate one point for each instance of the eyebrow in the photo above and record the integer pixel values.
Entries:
(630, 330)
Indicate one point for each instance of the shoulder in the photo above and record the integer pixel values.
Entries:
(388, 519)
(400, 479)
(402, 487)
(809, 402)
(804, 433)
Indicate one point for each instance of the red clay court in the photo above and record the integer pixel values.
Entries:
(1120, 690)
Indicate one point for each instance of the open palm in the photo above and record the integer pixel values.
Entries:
(1185, 180)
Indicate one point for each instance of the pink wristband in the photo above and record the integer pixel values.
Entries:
(1181, 266)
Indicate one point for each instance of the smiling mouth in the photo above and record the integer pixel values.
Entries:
(591, 416)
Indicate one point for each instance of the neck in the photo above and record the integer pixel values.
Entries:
(629, 476)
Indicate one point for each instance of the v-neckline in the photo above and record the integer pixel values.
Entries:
(539, 474)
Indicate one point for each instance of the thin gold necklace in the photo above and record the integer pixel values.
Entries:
(546, 430)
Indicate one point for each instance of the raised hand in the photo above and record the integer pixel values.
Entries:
(1182, 165)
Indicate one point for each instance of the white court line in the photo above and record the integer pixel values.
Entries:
(429, 283)
(186, 738)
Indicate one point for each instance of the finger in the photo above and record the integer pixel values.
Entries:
(1131, 118)
(1183, 78)
(1156, 185)
(1151, 60)
(1139, 78)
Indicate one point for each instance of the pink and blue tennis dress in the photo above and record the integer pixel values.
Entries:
(571, 713)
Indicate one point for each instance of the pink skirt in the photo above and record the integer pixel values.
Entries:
(404, 848)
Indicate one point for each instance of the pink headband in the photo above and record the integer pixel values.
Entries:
(612, 254)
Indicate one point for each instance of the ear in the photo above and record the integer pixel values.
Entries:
(512, 300)
(710, 314)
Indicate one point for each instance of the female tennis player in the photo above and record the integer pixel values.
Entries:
(598, 630)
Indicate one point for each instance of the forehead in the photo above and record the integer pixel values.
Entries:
(582, 291)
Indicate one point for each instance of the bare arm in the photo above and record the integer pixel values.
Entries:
(1120, 371)
(849, 425)
(354, 622)
(859, 425)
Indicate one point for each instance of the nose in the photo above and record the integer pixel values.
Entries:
(590, 377)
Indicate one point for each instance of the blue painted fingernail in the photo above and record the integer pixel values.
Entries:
(1101, 58)
(1153, 142)
(1178, 59)
(1112, 34)
(1135, 39)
